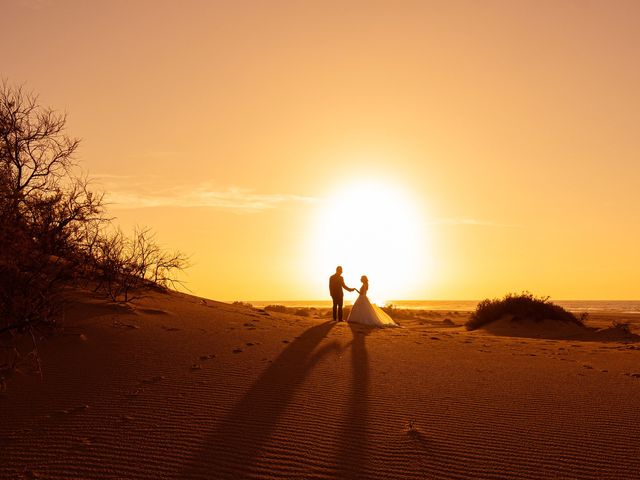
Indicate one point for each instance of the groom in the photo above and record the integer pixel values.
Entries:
(336, 284)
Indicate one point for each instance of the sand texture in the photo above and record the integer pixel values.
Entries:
(177, 387)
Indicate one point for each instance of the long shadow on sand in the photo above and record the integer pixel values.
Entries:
(233, 448)
(352, 447)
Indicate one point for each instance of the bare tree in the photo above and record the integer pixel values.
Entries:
(34, 145)
(128, 266)
(156, 265)
(166, 267)
(42, 206)
(53, 227)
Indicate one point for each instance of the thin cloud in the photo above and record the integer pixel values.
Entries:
(129, 195)
(470, 222)
(161, 154)
(34, 4)
(101, 177)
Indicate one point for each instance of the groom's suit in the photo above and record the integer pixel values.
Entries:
(336, 284)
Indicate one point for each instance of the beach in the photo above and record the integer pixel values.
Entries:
(176, 386)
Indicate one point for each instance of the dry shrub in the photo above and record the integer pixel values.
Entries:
(242, 304)
(519, 306)
(276, 308)
(622, 326)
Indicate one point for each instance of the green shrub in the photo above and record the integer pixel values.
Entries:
(519, 306)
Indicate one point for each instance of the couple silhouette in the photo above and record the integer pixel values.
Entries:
(362, 311)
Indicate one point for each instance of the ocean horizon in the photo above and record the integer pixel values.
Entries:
(614, 306)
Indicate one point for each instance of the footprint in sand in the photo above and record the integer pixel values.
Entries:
(29, 474)
(152, 380)
(69, 411)
(86, 442)
(195, 367)
(59, 413)
(135, 393)
(119, 324)
(204, 358)
(237, 350)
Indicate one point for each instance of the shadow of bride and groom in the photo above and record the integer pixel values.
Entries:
(236, 446)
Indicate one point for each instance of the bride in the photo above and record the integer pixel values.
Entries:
(363, 311)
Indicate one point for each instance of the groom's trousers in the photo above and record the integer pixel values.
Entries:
(337, 308)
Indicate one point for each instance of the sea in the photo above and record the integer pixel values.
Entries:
(579, 306)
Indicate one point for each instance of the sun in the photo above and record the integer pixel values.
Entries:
(376, 229)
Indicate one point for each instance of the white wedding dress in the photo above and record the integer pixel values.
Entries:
(367, 313)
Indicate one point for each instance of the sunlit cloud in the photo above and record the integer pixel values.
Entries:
(127, 192)
(471, 222)
(161, 154)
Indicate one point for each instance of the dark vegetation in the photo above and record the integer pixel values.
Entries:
(622, 326)
(395, 312)
(524, 306)
(405, 313)
(276, 308)
(54, 230)
(299, 311)
(242, 304)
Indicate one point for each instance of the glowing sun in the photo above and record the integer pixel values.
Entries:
(373, 228)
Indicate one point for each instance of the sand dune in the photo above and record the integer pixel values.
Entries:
(558, 330)
(178, 387)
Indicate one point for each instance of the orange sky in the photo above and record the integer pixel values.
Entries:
(508, 130)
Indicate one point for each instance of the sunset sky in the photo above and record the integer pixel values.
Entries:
(448, 150)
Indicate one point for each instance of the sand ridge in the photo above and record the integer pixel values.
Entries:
(181, 387)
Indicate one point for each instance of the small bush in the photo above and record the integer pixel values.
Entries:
(622, 326)
(303, 312)
(403, 313)
(522, 306)
(276, 308)
(242, 304)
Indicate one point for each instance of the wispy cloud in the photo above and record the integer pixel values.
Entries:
(470, 222)
(160, 154)
(34, 4)
(127, 192)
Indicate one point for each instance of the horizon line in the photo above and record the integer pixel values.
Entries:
(446, 300)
